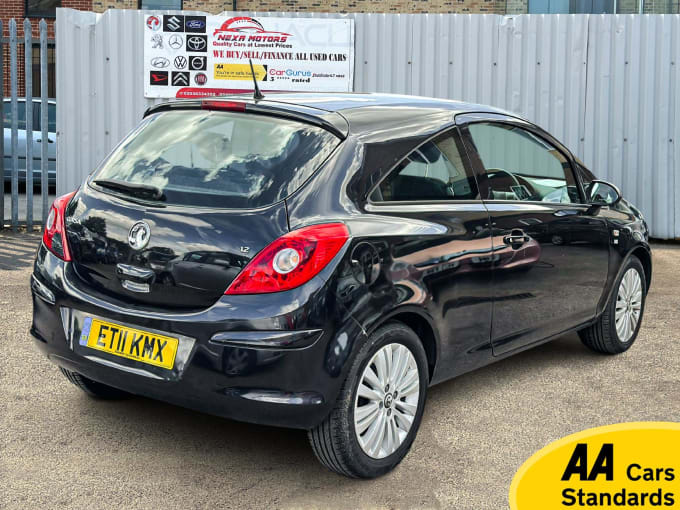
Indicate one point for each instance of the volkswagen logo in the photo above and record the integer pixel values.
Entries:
(180, 62)
(139, 235)
(175, 41)
(160, 62)
(196, 43)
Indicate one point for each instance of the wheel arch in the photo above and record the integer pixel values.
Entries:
(422, 325)
(643, 253)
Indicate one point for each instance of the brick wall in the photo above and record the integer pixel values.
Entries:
(103, 5)
(379, 6)
(15, 9)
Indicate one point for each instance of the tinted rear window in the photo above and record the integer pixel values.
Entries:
(220, 159)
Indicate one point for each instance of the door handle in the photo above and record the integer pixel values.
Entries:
(49, 140)
(516, 239)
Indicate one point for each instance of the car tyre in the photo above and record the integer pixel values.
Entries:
(336, 441)
(611, 334)
(93, 388)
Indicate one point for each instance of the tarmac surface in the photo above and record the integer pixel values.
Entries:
(59, 448)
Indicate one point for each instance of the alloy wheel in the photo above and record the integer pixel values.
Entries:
(387, 400)
(628, 304)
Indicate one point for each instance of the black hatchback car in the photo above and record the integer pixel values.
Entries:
(317, 261)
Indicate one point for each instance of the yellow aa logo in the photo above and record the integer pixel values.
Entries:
(629, 465)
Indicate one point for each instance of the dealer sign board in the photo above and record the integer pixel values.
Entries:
(199, 56)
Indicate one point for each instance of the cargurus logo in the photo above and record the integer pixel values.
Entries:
(289, 72)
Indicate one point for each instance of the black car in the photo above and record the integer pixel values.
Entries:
(318, 261)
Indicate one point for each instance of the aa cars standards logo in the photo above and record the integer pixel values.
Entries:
(244, 28)
(627, 465)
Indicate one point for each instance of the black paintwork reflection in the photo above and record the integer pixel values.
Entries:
(193, 253)
(448, 265)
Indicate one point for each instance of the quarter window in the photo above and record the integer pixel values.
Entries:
(434, 171)
(519, 165)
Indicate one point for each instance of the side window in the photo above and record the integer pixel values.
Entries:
(521, 166)
(21, 114)
(434, 171)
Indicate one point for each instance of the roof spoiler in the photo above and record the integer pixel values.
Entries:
(246, 105)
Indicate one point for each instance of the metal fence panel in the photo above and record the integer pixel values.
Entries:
(604, 85)
(18, 115)
(631, 120)
(14, 143)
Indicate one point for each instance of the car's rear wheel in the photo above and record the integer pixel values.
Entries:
(379, 409)
(93, 388)
(618, 326)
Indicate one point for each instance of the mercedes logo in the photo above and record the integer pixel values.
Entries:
(175, 41)
(139, 235)
(196, 43)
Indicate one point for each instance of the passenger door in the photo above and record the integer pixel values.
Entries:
(436, 184)
(551, 253)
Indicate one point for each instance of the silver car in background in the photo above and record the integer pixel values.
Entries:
(36, 140)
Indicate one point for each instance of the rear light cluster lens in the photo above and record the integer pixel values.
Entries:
(54, 235)
(291, 260)
(225, 106)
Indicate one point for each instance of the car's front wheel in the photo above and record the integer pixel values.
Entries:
(378, 412)
(618, 326)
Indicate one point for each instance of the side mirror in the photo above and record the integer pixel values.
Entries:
(603, 193)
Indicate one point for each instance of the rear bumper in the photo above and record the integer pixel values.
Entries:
(269, 359)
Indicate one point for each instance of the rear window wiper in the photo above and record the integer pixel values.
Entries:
(140, 190)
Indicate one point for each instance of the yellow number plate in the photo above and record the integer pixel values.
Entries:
(130, 343)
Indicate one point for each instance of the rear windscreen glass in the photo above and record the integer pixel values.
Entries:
(219, 159)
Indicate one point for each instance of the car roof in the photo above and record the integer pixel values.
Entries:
(364, 112)
(342, 102)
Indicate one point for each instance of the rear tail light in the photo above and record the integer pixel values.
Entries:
(54, 235)
(291, 260)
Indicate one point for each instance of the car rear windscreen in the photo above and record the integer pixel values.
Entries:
(219, 159)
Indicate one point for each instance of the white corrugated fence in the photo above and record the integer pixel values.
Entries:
(605, 85)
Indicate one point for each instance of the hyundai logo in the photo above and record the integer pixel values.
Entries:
(160, 62)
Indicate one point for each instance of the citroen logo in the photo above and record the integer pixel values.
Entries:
(139, 235)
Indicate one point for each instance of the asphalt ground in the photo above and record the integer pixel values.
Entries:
(61, 449)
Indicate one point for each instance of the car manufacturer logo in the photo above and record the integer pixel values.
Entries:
(175, 41)
(200, 79)
(197, 63)
(157, 42)
(158, 78)
(180, 62)
(160, 62)
(197, 43)
(180, 79)
(153, 23)
(139, 235)
(195, 23)
(173, 23)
